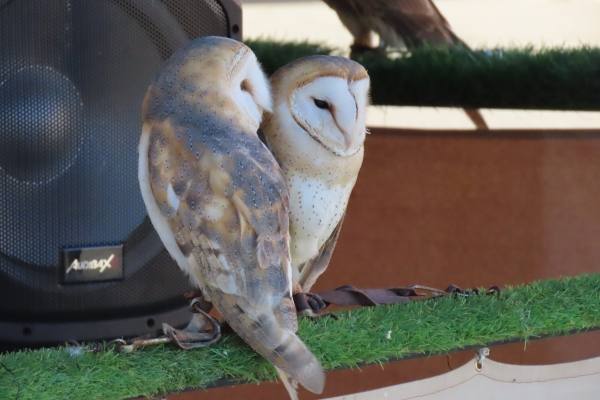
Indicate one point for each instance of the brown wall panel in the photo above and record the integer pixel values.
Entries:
(471, 209)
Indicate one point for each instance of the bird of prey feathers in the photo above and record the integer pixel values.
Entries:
(399, 23)
(218, 200)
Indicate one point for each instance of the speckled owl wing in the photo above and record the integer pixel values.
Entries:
(312, 269)
(226, 202)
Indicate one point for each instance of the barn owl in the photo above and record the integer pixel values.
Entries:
(316, 132)
(399, 23)
(218, 200)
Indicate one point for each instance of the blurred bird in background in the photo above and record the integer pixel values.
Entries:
(400, 24)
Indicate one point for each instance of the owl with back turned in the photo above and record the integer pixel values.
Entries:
(316, 132)
(218, 200)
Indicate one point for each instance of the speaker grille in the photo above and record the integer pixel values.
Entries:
(71, 88)
(198, 16)
(72, 79)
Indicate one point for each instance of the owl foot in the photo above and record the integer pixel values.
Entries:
(311, 305)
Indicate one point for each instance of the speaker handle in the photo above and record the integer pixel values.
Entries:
(233, 12)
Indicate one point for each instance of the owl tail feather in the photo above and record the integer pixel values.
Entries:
(290, 385)
(263, 331)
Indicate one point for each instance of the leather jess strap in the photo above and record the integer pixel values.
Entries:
(351, 296)
(204, 330)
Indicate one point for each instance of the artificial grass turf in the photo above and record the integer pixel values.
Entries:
(360, 336)
(551, 78)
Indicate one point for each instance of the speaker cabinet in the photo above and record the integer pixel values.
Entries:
(73, 74)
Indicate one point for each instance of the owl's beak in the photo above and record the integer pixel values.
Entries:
(264, 101)
(267, 108)
(352, 140)
(348, 139)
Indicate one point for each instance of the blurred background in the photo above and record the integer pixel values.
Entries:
(480, 23)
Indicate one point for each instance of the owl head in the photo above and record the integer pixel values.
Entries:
(319, 103)
(215, 75)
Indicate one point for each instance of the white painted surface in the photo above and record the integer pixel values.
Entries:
(497, 381)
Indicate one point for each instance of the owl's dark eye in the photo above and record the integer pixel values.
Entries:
(245, 86)
(322, 104)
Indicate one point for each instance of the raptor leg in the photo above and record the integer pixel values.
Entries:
(302, 306)
(310, 305)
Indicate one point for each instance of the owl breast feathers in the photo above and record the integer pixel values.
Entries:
(317, 132)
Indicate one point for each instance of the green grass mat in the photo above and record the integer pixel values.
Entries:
(367, 335)
(552, 78)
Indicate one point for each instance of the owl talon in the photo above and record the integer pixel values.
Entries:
(310, 305)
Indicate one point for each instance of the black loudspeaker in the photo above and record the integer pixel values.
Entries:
(79, 258)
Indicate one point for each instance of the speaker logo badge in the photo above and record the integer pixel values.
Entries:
(92, 264)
